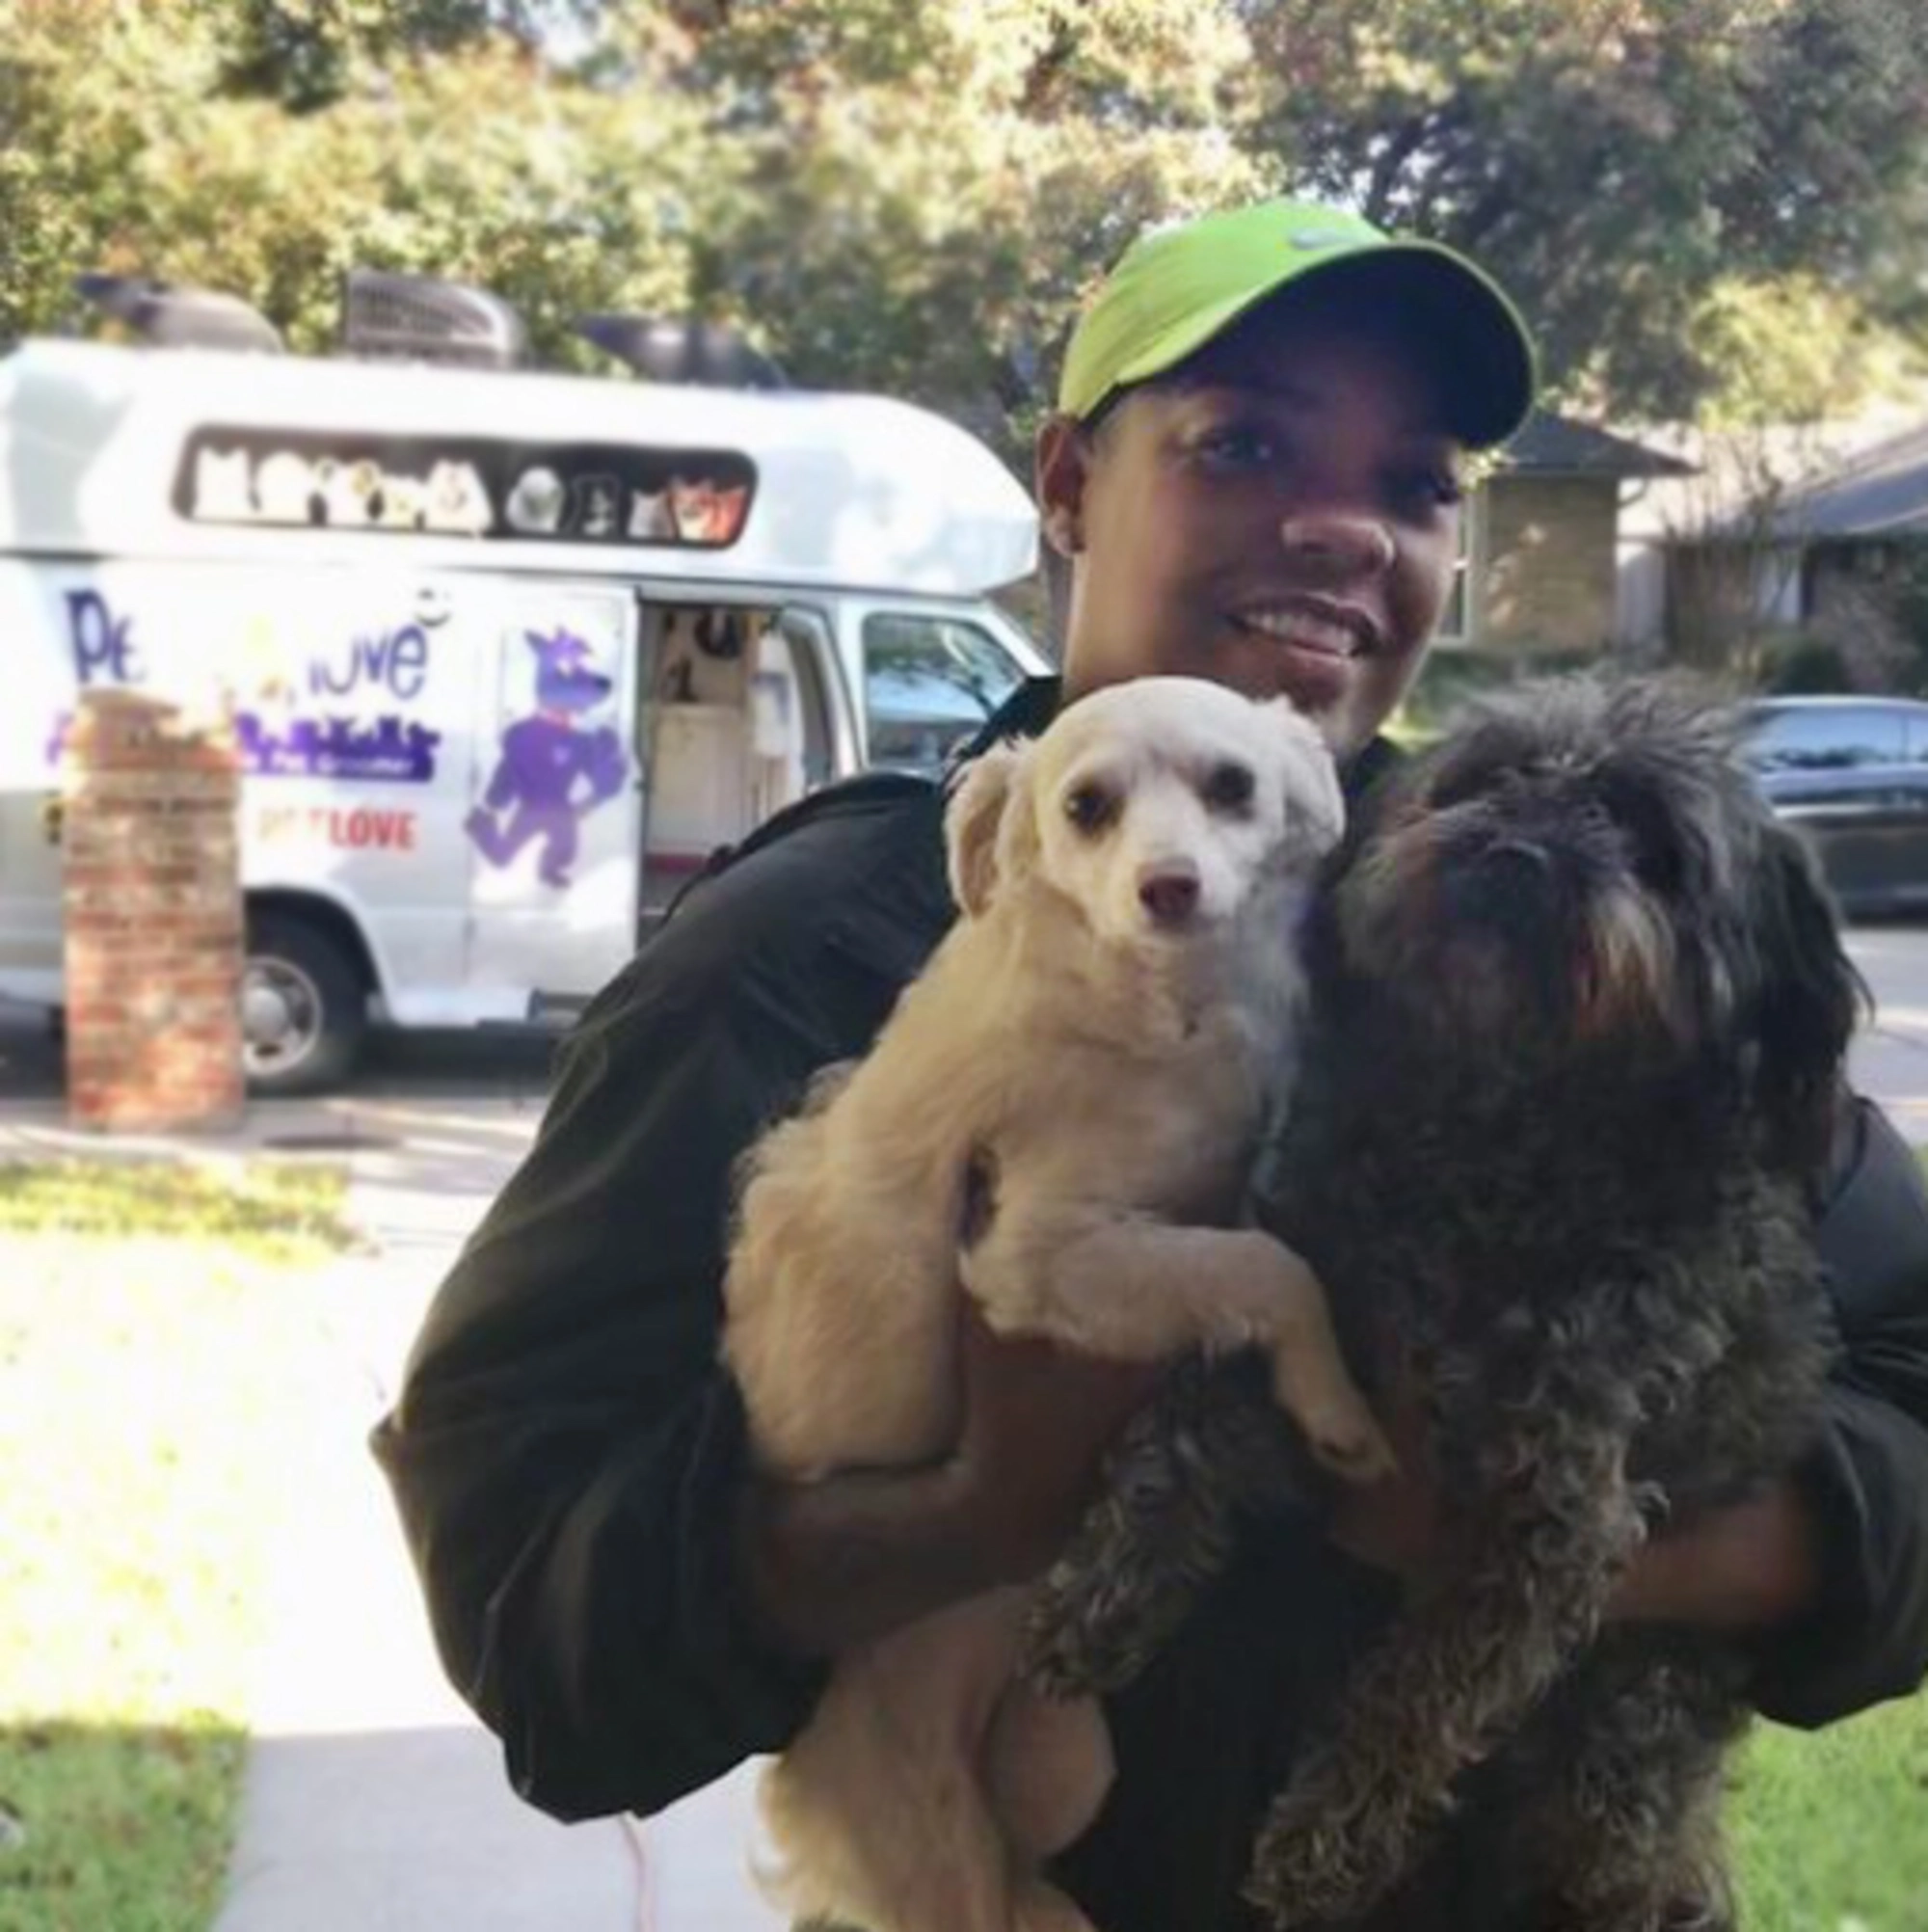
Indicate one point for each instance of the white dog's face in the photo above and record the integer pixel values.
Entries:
(1155, 806)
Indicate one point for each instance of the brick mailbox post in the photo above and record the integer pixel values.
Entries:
(151, 908)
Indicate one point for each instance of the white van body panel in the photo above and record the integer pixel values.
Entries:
(849, 490)
(488, 752)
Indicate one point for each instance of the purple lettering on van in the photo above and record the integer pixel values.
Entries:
(103, 650)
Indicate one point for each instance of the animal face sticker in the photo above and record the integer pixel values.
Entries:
(704, 512)
(466, 487)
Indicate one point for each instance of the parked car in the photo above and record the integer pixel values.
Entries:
(1852, 773)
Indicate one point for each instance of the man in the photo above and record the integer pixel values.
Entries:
(1253, 477)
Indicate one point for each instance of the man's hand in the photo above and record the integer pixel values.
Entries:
(1754, 1565)
(1038, 1420)
(1399, 1523)
(836, 1562)
(1751, 1566)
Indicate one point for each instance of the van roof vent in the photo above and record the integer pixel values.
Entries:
(419, 318)
(668, 350)
(178, 318)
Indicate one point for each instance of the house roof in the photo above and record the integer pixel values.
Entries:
(1882, 491)
(1560, 446)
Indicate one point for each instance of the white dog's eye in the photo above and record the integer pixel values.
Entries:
(1090, 807)
(1228, 789)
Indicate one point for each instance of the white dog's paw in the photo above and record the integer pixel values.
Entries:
(1042, 1908)
(1338, 1428)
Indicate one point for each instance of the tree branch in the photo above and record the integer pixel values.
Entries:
(1400, 147)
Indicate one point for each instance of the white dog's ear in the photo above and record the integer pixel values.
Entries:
(1313, 793)
(971, 821)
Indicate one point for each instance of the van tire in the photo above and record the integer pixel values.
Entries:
(303, 1006)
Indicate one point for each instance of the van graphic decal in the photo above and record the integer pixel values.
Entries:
(496, 490)
(391, 665)
(388, 750)
(396, 751)
(554, 770)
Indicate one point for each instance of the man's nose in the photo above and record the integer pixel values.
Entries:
(1344, 545)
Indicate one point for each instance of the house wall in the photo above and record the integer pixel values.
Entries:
(1719, 596)
(1549, 579)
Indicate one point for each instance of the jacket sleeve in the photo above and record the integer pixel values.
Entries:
(565, 1451)
(1866, 1480)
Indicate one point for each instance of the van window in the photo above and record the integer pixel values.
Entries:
(466, 486)
(930, 683)
(800, 646)
(1828, 739)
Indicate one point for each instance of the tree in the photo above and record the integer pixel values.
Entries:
(1690, 197)
(1615, 161)
(131, 145)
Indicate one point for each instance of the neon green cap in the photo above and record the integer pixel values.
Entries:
(1175, 289)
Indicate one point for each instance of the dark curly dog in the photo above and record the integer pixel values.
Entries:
(1579, 1010)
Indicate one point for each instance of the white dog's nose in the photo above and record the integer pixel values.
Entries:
(1169, 891)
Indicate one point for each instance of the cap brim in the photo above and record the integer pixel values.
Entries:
(1479, 349)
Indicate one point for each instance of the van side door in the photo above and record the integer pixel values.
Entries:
(555, 824)
(744, 712)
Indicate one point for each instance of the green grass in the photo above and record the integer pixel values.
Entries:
(276, 1210)
(152, 1323)
(1829, 1829)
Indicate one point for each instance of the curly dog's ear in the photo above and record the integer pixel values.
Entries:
(980, 847)
(1807, 999)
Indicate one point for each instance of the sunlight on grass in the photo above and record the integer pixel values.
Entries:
(281, 1209)
(151, 1404)
(1829, 1829)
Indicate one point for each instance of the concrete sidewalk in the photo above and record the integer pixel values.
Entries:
(374, 1802)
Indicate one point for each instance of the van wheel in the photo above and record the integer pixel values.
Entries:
(304, 1009)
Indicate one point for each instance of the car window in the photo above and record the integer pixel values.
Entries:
(1835, 738)
(930, 683)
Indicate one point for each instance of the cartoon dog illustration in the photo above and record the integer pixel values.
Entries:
(544, 757)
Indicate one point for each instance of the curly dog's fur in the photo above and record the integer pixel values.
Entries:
(1578, 1015)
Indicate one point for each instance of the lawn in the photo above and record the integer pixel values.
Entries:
(153, 1322)
(1829, 1829)
(151, 1326)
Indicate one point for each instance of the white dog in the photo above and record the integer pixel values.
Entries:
(1096, 1047)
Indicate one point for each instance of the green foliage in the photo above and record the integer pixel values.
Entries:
(1615, 161)
(1690, 197)
(1805, 666)
(307, 53)
(1907, 595)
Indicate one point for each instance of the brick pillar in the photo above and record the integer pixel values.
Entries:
(153, 917)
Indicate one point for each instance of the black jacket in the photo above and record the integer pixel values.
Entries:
(566, 1448)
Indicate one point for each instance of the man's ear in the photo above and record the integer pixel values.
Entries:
(1061, 463)
(991, 785)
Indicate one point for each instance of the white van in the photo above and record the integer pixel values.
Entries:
(509, 655)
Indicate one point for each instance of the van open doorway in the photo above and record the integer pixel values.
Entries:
(734, 725)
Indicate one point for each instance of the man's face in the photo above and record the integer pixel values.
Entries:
(1283, 518)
